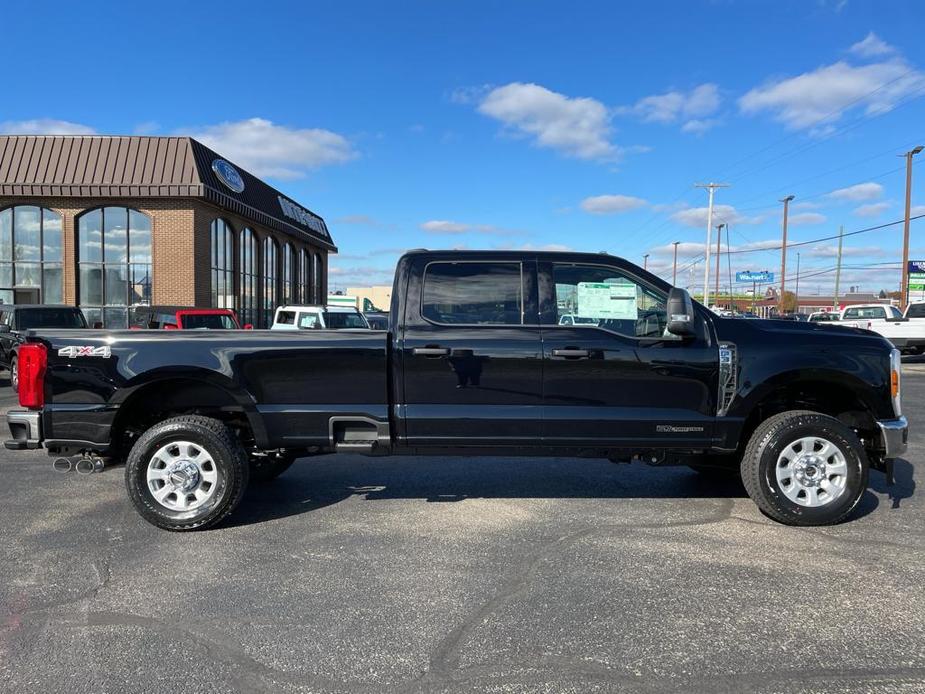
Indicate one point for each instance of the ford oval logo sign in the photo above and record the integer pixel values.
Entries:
(228, 175)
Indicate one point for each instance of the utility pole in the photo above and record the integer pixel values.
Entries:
(674, 270)
(796, 308)
(711, 189)
(783, 251)
(905, 269)
(719, 240)
(841, 231)
(645, 262)
(729, 267)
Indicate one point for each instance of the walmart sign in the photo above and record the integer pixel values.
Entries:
(751, 276)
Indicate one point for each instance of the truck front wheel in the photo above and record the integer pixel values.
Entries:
(804, 468)
(186, 473)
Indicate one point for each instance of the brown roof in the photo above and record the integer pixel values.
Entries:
(126, 167)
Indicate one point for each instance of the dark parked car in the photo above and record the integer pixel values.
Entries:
(476, 362)
(183, 318)
(377, 320)
(16, 319)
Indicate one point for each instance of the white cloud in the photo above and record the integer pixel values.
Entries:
(267, 149)
(446, 227)
(858, 193)
(872, 210)
(916, 210)
(699, 126)
(818, 98)
(44, 126)
(611, 204)
(697, 216)
(803, 218)
(831, 251)
(870, 46)
(577, 127)
(674, 106)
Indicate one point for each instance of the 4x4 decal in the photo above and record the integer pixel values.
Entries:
(85, 351)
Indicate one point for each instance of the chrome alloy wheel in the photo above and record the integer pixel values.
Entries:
(812, 471)
(182, 476)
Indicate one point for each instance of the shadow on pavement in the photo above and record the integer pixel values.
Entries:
(903, 486)
(315, 483)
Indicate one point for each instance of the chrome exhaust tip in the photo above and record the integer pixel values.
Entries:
(85, 466)
(62, 465)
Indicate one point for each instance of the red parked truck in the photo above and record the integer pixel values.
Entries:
(184, 318)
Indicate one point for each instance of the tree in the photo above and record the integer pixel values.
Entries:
(788, 302)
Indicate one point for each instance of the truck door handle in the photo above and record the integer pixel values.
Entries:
(431, 351)
(571, 353)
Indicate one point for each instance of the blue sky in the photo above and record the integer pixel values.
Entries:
(516, 124)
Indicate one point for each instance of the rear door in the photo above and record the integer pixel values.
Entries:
(614, 376)
(471, 353)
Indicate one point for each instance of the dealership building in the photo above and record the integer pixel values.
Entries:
(107, 223)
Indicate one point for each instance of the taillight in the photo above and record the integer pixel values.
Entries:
(32, 360)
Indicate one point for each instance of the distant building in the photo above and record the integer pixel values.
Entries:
(107, 223)
(378, 297)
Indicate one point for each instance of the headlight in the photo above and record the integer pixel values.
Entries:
(896, 382)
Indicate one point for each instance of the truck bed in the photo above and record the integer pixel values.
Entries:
(293, 382)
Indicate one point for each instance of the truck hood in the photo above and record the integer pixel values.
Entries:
(785, 333)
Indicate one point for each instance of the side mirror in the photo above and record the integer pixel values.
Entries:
(680, 313)
(171, 326)
(248, 326)
(4, 328)
(98, 325)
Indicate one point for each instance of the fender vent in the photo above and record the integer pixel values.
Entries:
(728, 368)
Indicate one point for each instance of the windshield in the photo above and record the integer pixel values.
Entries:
(31, 318)
(207, 321)
(344, 320)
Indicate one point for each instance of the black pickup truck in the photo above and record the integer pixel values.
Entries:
(477, 360)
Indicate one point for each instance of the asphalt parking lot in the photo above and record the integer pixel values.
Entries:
(432, 575)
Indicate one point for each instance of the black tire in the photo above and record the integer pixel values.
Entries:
(230, 464)
(266, 468)
(14, 374)
(768, 442)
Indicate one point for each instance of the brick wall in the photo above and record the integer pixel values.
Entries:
(180, 243)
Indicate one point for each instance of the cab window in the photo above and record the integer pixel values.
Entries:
(604, 297)
(473, 293)
(285, 317)
(309, 320)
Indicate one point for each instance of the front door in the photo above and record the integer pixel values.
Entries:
(471, 354)
(612, 374)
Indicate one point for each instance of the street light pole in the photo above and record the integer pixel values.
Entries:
(796, 308)
(719, 239)
(645, 262)
(711, 189)
(674, 269)
(783, 251)
(905, 269)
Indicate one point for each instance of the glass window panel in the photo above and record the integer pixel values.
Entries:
(115, 234)
(139, 285)
(91, 285)
(28, 275)
(51, 236)
(90, 237)
(139, 237)
(116, 285)
(94, 316)
(27, 229)
(115, 318)
(52, 284)
(6, 296)
(6, 234)
(6, 274)
(473, 293)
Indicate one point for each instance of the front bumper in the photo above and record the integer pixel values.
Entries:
(894, 435)
(26, 428)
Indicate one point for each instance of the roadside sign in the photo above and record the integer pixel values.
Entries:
(752, 276)
(916, 280)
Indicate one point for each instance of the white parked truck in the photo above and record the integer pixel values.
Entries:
(906, 332)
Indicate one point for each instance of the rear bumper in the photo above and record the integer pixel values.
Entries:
(894, 435)
(26, 429)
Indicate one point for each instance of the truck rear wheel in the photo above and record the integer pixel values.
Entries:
(804, 468)
(186, 473)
